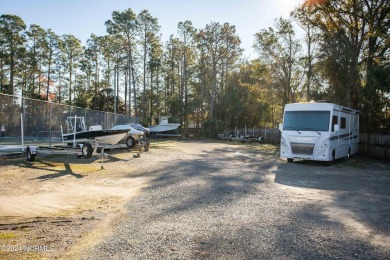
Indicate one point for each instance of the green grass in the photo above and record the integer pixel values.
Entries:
(264, 148)
(6, 236)
(354, 162)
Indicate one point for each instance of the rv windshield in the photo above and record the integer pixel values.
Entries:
(306, 120)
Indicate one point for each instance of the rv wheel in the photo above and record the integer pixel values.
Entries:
(329, 163)
(86, 150)
(290, 160)
(130, 142)
(30, 157)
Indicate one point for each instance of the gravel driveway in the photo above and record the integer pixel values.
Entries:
(226, 201)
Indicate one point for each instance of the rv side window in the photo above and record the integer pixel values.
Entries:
(343, 123)
(335, 120)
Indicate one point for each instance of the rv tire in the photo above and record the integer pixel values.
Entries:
(290, 160)
(86, 150)
(329, 163)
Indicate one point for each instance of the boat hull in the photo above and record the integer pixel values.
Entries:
(164, 128)
(103, 137)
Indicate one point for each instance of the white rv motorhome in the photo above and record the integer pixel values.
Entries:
(318, 131)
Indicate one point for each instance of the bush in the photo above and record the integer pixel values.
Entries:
(216, 126)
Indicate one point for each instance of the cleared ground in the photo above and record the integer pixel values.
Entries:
(194, 199)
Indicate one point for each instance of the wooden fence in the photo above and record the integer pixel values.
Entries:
(375, 145)
(269, 135)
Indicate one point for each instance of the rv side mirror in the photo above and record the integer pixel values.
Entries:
(280, 127)
(336, 128)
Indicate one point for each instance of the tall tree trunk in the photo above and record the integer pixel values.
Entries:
(97, 83)
(129, 85)
(126, 75)
(11, 73)
(70, 82)
(310, 65)
(212, 98)
(151, 95)
(144, 85)
(134, 87)
(48, 76)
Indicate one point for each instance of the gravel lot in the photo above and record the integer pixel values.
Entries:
(231, 201)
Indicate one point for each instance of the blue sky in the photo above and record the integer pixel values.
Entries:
(84, 17)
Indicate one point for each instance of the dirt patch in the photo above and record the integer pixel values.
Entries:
(48, 207)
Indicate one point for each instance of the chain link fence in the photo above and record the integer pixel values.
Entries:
(41, 121)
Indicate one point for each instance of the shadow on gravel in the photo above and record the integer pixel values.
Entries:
(361, 204)
(310, 235)
(224, 205)
(58, 174)
(218, 177)
(336, 177)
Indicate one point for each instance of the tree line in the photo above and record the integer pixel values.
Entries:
(199, 77)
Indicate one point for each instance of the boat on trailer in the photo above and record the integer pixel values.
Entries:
(77, 141)
(164, 128)
(133, 135)
(78, 134)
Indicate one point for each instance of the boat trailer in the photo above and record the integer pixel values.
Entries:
(85, 150)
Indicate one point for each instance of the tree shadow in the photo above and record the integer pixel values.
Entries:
(360, 195)
(216, 170)
(209, 187)
(341, 176)
(309, 233)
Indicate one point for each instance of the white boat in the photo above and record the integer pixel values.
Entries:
(164, 127)
(141, 128)
(78, 134)
(132, 137)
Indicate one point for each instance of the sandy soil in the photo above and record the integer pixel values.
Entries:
(47, 207)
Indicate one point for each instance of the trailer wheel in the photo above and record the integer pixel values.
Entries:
(86, 150)
(290, 160)
(130, 142)
(30, 157)
(349, 153)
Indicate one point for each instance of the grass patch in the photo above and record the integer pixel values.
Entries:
(5, 236)
(20, 255)
(354, 162)
(265, 148)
